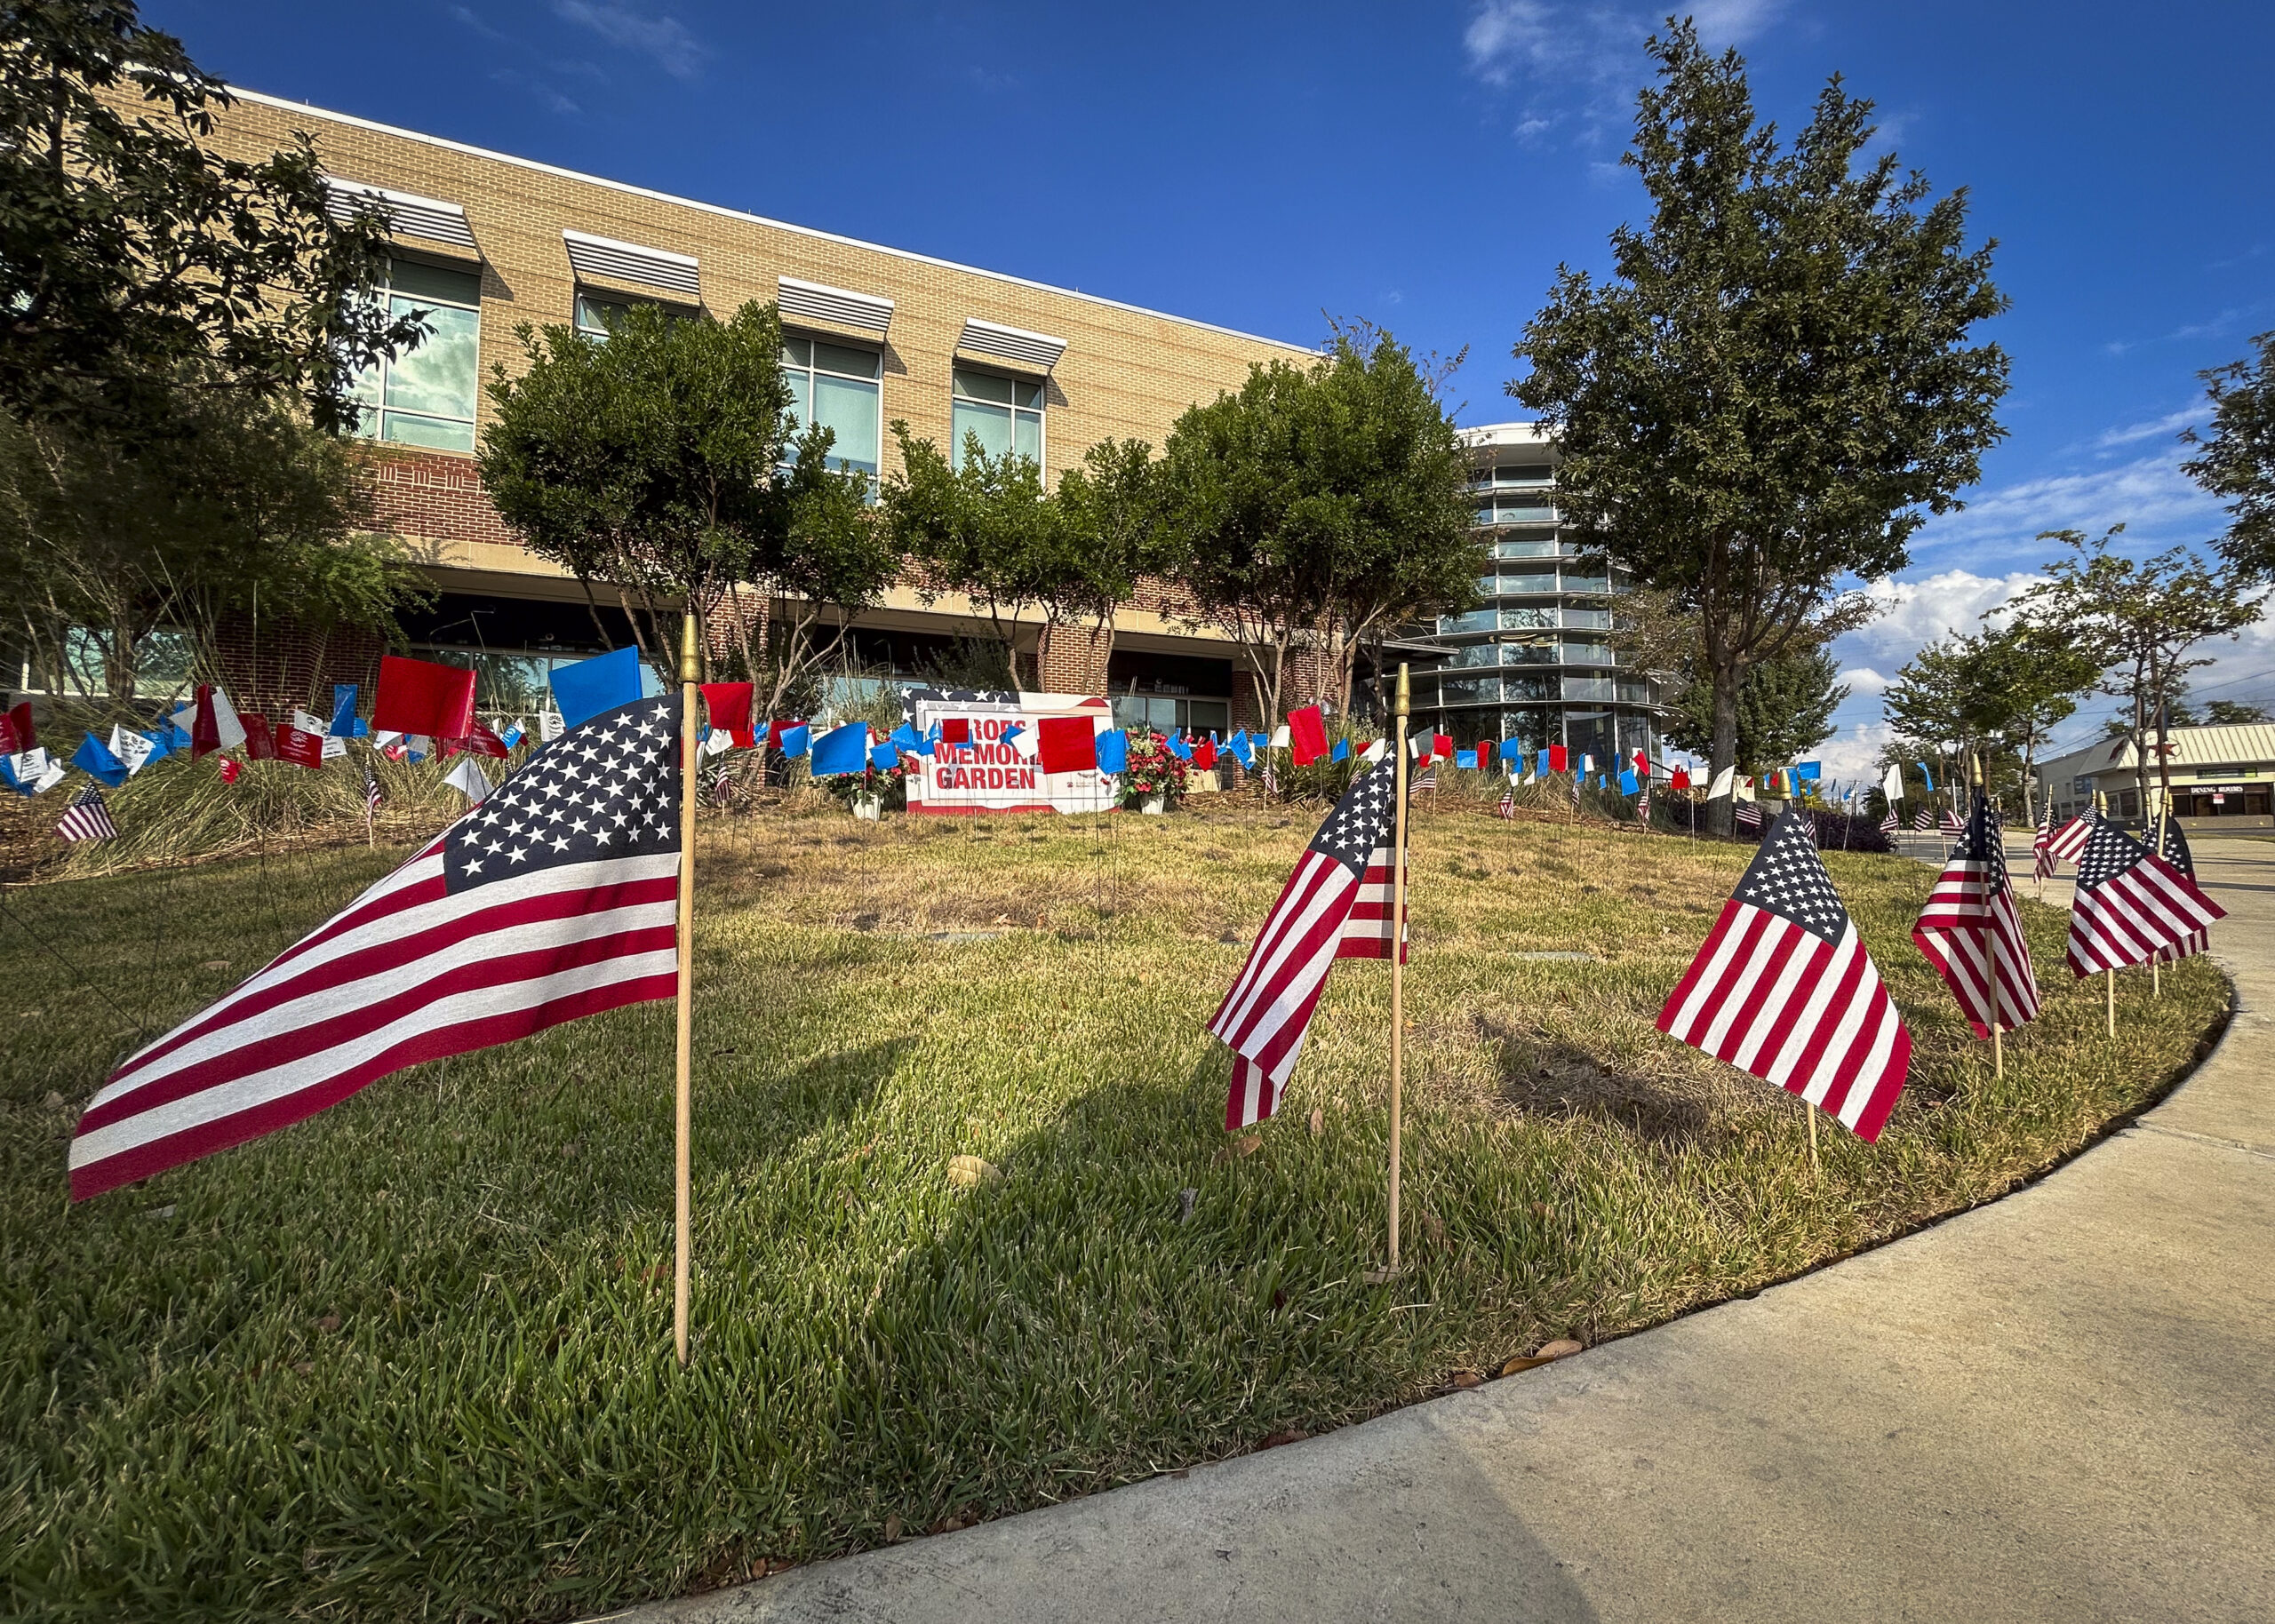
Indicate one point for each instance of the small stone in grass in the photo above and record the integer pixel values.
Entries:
(1185, 1200)
(1466, 1378)
(328, 1324)
(160, 1212)
(1563, 1348)
(215, 964)
(892, 1528)
(965, 1171)
(54, 1100)
(306, 1368)
(1318, 1121)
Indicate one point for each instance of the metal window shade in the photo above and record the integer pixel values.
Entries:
(613, 261)
(406, 215)
(1012, 344)
(811, 301)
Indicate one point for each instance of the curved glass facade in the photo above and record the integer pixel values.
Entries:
(1534, 661)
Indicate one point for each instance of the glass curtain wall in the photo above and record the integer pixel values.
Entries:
(426, 396)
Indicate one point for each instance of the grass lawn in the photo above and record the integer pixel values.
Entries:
(411, 1358)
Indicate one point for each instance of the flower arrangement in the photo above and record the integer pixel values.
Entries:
(889, 784)
(1153, 770)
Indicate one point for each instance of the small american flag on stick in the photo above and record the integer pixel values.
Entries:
(2131, 904)
(1783, 989)
(2177, 853)
(2042, 854)
(87, 818)
(1508, 807)
(1891, 824)
(1748, 815)
(2067, 844)
(1334, 906)
(1972, 932)
(1923, 819)
(557, 897)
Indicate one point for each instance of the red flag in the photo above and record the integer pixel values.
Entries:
(259, 746)
(728, 705)
(776, 729)
(293, 745)
(1682, 779)
(17, 734)
(1559, 757)
(1066, 745)
(956, 730)
(231, 767)
(1359, 746)
(478, 740)
(1485, 750)
(420, 696)
(1442, 745)
(1205, 754)
(1306, 734)
(206, 729)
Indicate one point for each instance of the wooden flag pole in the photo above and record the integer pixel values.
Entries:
(1816, 1171)
(689, 673)
(1398, 953)
(1998, 953)
(2164, 816)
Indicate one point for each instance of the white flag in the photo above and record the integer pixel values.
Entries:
(1892, 786)
(467, 778)
(718, 741)
(1280, 737)
(1724, 782)
(225, 725)
(130, 747)
(549, 726)
(1375, 752)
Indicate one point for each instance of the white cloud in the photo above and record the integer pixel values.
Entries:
(1584, 60)
(2151, 497)
(1863, 679)
(664, 40)
(2165, 428)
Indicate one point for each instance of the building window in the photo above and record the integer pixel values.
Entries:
(1004, 413)
(426, 395)
(837, 386)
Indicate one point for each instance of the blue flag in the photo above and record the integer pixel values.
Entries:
(1809, 772)
(1179, 748)
(841, 750)
(1544, 763)
(8, 774)
(796, 741)
(94, 758)
(930, 743)
(165, 740)
(1005, 737)
(884, 756)
(585, 689)
(1462, 757)
(345, 722)
(1342, 750)
(1243, 749)
(1627, 782)
(904, 737)
(1114, 751)
(511, 736)
(1930, 776)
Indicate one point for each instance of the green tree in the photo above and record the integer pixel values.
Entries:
(1320, 508)
(662, 465)
(2232, 713)
(1994, 694)
(1786, 709)
(1778, 379)
(115, 556)
(2135, 621)
(136, 263)
(2237, 459)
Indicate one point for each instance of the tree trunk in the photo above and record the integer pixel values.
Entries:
(1722, 750)
(2141, 749)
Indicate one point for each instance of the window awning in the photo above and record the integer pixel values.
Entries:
(1013, 344)
(407, 216)
(610, 260)
(812, 301)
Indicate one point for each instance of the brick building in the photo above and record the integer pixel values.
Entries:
(486, 242)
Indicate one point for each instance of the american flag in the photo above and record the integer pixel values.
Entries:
(1924, 818)
(1748, 815)
(2130, 903)
(1783, 989)
(1334, 906)
(2067, 844)
(1951, 822)
(87, 818)
(1575, 786)
(1972, 932)
(2176, 852)
(2041, 853)
(1643, 806)
(1508, 807)
(557, 897)
(1426, 779)
(1891, 823)
(373, 794)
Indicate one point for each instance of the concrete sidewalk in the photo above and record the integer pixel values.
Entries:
(2060, 1406)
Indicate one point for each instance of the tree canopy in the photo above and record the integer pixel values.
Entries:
(1997, 692)
(2237, 459)
(662, 462)
(1779, 379)
(1320, 508)
(136, 262)
(1786, 709)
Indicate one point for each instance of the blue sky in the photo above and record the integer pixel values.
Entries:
(1427, 166)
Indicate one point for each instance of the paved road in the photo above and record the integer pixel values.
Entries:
(2056, 1407)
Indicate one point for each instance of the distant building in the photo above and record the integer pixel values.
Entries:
(2223, 778)
(1535, 661)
